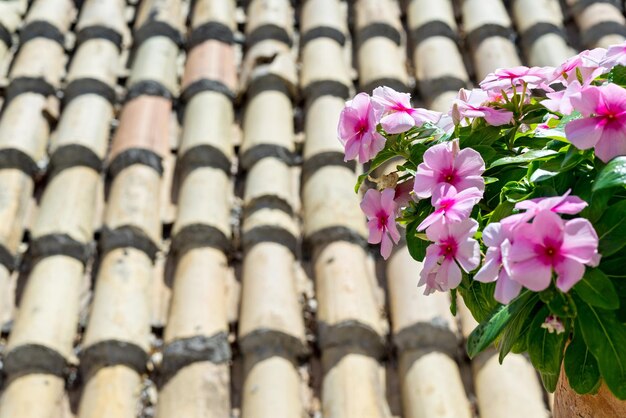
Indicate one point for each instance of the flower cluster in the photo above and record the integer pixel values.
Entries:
(359, 134)
(525, 249)
(510, 198)
(452, 178)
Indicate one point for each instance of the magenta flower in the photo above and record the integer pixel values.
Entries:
(450, 205)
(604, 124)
(446, 164)
(472, 104)
(357, 130)
(566, 204)
(380, 210)
(452, 246)
(506, 78)
(498, 238)
(551, 244)
(395, 113)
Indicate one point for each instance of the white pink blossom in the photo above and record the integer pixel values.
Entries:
(474, 104)
(603, 126)
(380, 209)
(450, 205)
(357, 130)
(550, 244)
(453, 246)
(497, 237)
(395, 113)
(445, 164)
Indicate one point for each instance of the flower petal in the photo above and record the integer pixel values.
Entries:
(439, 157)
(532, 274)
(425, 182)
(611, 144)
(371, 203)
(580, 242)
(397, 122)
(437, 231)
(431, 219)
(387, 202)
(491, 267)
(385, 246)
(506, 289)
(375, 232)
(569, 273)
(449, 275)
(584, 133)
(469, 163)
(468, 255)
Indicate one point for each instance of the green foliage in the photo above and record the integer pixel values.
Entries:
(487, 331)
(612, 175)
(581, 366)
(415, 244)
(545, 349)
(611, 229)
(597, 290)
(606, 338)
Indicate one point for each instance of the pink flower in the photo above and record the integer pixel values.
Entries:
(446, 164)
(506, 78)
(450, 205)
(566, 204)
(560, 101)
(551, 244)
(587, 64)
(498, 238)
(469, 104)
(452, 244)
(357, 130)
(615, 55)
(604, 124)
(380, 210)
(395, 113)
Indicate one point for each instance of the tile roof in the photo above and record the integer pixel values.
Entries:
(178, 227)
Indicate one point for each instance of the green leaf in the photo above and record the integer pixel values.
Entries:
(487, 152)
(503, 210)
(545, 349)
(487, 331)
(359, 182)
(453, 307)
(472, 137)
(524, 158)
(618, 75)
(611, 229)
(416, 245)
(597, 290)
(549, 381)
(540, 175)
(517, 329)
(580, 365)
(612, 175)
(606, 339)
(478, 298)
